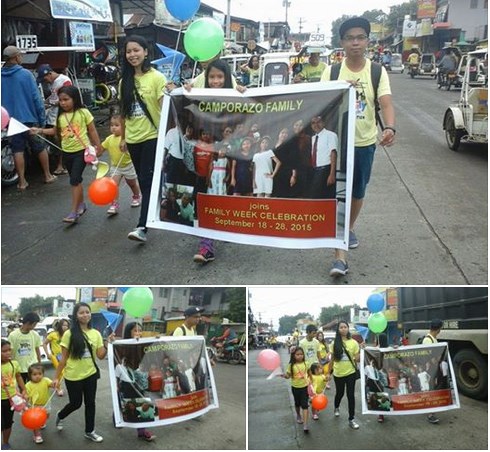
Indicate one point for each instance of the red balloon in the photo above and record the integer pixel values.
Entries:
(269, 359)
(34, 418)
(319, 402)
(103, 191)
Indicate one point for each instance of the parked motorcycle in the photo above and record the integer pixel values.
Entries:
(9, 174)
(231, 353)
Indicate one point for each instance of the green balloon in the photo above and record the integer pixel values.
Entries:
(377, 322)
(204, 39)
(137, 301)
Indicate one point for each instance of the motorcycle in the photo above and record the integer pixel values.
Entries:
(446, 79)
(9, 173)
(413, 70)
(231, 353)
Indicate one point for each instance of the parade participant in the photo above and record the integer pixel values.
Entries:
(192, 318)
(22, 99)
(141, 93)
(26, 344)
(355, 67)
(53, 340)
(322, 175)
(11, 380)
(37, 389)
(80, 345)
(324, 352)
(219, 173)
(413, 58)
(312, 71)
(252, 69)
(263, 170)
(297, 370)
(430, 338)
(345, 353)
(318, 383)
(122, 163)
(287, 152)
(311, 346)
(77, 129)
(46, 74)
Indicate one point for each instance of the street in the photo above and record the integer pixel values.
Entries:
(424, 221)
(223, 428)
(272, 425)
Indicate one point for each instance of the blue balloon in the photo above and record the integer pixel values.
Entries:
(182, 9)
(375, 303)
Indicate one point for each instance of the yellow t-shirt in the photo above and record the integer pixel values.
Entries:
(73, 129)
(200, 81)
(413, 58)
(313, 73)
(111, 143)
(366, 130)
(38, 393)
(188, 331)
(79, 369)
(54, 341)
(9, 371)
(151, 87)
(311, 350)
(318, 382)
(24, 347)
(323, 351)
(428, 339)
(344, 367)
(299, 375)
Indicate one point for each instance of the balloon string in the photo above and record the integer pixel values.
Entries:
(45, 139)
(117, 166)
(176, 50)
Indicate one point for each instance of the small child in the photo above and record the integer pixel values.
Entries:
(146, 412)
(263, 171)
(219, 173)
(122, 163)
(11, 379)
(170, 385)
(38, 392)
(318, 382)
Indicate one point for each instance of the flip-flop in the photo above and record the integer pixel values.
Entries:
(50, 181)
(60, 172)
(24, 187)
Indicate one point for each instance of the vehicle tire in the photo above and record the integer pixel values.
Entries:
(9, 173)
(471, 372)
(453, 135)
(235, 357)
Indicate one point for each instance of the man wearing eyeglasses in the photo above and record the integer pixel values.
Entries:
(356, 69)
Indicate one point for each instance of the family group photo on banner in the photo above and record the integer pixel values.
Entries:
(160, 381)
(408, 380)
(271, 166)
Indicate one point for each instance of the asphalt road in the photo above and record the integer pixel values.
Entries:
(222, 428)
(272, 425)
(424, 222)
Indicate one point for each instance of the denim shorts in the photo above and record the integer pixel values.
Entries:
(363, 163)
(19, 142)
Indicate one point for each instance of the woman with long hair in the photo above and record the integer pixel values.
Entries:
(53, 340)
(80, 345)
(141, 93)
(345, 353)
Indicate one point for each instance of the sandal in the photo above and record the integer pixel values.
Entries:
(22, 187)
(82, 208)
(71, 218)
(60, 172)
(51, 179)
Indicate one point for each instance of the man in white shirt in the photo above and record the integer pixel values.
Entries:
(174, 164)
(324, 144)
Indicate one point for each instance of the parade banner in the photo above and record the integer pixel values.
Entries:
(253, 168)
(408, 380)
(160, 381)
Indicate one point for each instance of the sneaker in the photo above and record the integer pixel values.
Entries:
(6, 446)
(353, 241)
(138, 234)
(306, 429)
(336, 412)
(59, 422)
(72, 217)
(113, 209)
(60, 393)
(38, 439)
(381, 418)
(204, 256)
(432, 419)
(315, 417)
(94, 437)
(339, 268)
(147, 436)
(136, 201)
(353, 424)
(82, 208)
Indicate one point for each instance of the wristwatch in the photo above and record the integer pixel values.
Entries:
(390, 128)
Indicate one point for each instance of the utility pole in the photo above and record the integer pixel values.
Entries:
(301, 22)
(228, 21)
(286, 4)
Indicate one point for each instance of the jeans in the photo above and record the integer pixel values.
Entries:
(79, 391)
(143, 157)
(341, 383)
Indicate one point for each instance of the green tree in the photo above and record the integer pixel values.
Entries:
(30, 304)
(237, 307)
(287, 323)
(335, 312)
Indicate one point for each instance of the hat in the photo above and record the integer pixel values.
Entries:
(355, 22)
(189, 312)
(11, 51)
(43, 70)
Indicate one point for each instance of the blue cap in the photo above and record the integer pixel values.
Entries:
(43, 70)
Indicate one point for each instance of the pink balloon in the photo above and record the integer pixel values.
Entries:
(5, 118)
(269, 359)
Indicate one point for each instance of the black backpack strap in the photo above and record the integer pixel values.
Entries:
(335, 71)
(376, 69)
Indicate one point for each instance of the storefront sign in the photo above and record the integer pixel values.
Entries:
(82, 34)
(426, 9)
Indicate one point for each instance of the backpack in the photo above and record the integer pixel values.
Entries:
(376, 69)
(421, 339)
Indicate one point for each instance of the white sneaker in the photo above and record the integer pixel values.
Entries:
(59, 422)
(138, 234)
(113, 209)
(136, 201)
(336, 412)
(353, 424)
(94, 437)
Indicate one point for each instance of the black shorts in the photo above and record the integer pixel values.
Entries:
(300, 396)
(7, 415)
(75, 164)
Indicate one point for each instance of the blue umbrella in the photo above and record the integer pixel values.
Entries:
(170, 63)
(113, 319)
(364, 331)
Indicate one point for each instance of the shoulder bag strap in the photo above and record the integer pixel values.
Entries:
(335, 71)
(348, 355)
(91, 351)
(73, 130)
(144, 107)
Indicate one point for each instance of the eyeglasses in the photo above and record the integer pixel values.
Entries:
(351, 38)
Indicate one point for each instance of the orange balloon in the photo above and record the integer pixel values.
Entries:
(103, 191)
(34, 418)
(319, 402)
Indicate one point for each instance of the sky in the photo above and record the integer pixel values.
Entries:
(314, 13)
(271, 303)
(12, 295)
